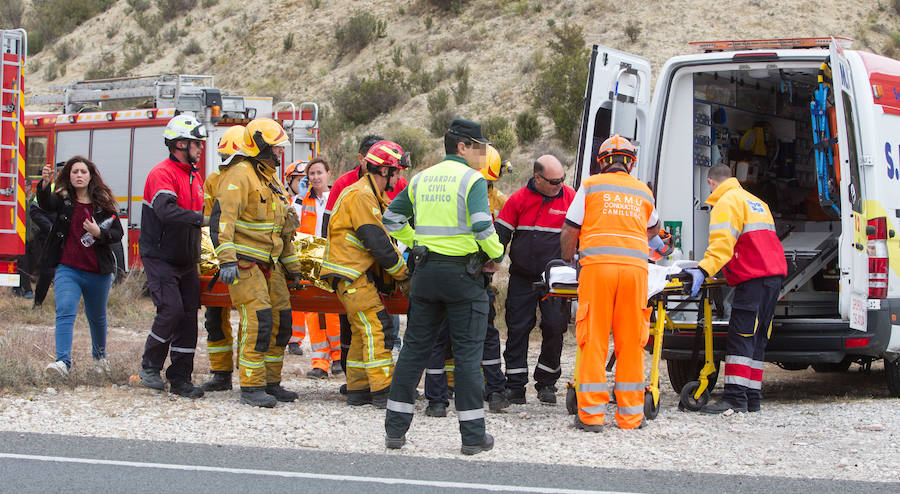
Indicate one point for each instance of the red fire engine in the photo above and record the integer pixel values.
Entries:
(126, 144)
(13, 48)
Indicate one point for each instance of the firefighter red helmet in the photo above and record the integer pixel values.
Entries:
(387, 153)
(616, 146)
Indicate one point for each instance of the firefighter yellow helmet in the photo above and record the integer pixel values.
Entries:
(262, 134)
(493, 167)
(231, 140)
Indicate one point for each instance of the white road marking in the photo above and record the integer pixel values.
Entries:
(304, 475)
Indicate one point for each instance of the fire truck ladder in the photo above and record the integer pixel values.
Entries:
(12, 42)
(181, 91)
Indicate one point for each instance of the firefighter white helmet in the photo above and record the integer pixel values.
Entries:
(184, 127)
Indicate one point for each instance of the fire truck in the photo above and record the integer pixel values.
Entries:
(13, 48)
(125, 144)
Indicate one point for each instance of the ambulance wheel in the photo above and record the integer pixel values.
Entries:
(571, 401)
(892, 373)
(650, 410)
(687, 396)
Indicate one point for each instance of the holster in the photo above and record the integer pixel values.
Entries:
(418, 258)
(474, 263)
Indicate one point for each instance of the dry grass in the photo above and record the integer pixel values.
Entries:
(27, 342)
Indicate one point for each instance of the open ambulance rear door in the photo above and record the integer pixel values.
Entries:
(617, 101)
(854, 261)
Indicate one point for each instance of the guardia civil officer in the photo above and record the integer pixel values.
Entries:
(453, 237)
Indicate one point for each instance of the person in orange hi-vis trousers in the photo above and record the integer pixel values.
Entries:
(611, 218)
(324, 329)
(298, 185)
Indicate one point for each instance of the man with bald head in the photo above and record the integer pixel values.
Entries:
(530, 223)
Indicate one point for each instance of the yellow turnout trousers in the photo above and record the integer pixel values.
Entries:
(369, 364)
(219, 339)
(261, 297)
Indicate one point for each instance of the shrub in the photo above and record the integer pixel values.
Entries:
(896, 5)
(209, 3)
(150, 23)
(102, 68)
(439, 122)
(11, 13)
(363, 99)
(463, 90)
(528, 128)
(397, 56)
(413, 140)
(316, 4)
(356, 33)
(287, 42)
(438, 100)
(633, 30)
(192, 48)
(422, 82)
(559, 88)
(428, 23)
(63, 51)
(175, 6)
(134, 56)
(500, 133)
(50, 19)
(138, 6)
(455, 6)
(112, 32)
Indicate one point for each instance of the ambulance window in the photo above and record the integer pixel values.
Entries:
(35, 155)
(855, 193)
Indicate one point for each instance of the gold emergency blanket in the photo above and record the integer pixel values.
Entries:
(310, 250)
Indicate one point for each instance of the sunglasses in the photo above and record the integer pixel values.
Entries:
(555, 181)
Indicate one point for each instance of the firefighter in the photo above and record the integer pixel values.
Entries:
(297, 184)
(453, 237)
(742, 239)
(611, 218)
(171, 219)
(439, 372)
(251, 231)
(360, 257)
(324, 329)
(530, 223)
(219, 337)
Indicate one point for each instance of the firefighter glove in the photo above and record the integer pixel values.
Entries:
(657, 244)
(404, 287)
(228, 273)
(697, 277)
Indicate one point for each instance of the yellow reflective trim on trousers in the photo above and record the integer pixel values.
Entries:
(355, 241)
(271, 359)
(223, 246)
(356, 364)
(289, 259)
(370, 338)
(254, 225)
(218, 349)
(251, 365)
(342, 269)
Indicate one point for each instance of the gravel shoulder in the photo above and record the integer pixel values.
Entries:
(841, 426)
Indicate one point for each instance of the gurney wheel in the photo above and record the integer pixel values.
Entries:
(687, 396)
(650, 410)
(571, 400)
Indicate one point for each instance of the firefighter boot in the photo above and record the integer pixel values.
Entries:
(257, 396)
(380, 398)
(547, 395)
(515, 396)
(186, 389)
(281, 394)
(358, 398)
(219, 381)
(497, 401)
(474, 449)
(722, 406)
(437, 409)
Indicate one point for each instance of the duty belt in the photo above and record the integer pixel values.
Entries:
(434, 256)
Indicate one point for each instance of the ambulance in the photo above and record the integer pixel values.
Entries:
(127, 143)
(809, 126)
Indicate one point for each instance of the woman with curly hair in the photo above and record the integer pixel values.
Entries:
(80, 247)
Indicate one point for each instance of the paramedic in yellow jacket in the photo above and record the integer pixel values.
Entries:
(247, 228)
(359, 254)
(219, 337)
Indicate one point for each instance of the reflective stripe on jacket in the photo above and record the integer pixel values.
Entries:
(617, 210)
(742, 236)
(450, 205)
(248, 217)
(357, 241)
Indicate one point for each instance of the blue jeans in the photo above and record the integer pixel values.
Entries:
(70, 285)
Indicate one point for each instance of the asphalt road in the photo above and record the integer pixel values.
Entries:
(55, 463)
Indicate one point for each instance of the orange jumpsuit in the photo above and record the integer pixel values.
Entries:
(614, 211)
(324, 329)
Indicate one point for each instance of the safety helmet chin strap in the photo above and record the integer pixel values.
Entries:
(388, 187)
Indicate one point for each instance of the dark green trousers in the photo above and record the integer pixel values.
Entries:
(442, 289)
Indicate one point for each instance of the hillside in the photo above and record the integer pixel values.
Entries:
(503, 42)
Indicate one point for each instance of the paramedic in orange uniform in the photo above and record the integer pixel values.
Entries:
(324, 329)
(298, 186)
(611, 218)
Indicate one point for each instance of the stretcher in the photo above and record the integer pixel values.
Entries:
(305, 297)
(668, 293)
